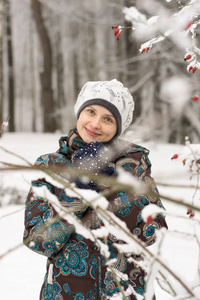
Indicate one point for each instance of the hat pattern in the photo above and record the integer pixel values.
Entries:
(110, 94)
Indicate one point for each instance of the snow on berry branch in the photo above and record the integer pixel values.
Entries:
(117, 30)
(190, 158)
(180, 27)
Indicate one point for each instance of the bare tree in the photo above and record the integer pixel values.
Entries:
(11, 78)
(46, 75)
(1, 59)
(60, 81)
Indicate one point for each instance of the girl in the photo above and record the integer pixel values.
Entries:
(75, 267)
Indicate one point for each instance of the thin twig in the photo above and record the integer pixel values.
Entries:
(16, 155)
(11, 213)
(195, 159)
(10, 250)
(166, 281)
(111, 181)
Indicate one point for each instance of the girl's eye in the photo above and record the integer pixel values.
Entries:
(109, 120)
(91, 111)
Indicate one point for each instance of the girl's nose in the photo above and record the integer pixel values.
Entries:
(96, 123)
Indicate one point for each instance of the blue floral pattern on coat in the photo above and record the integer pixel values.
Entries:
(52, 291)
(56, 235)
(122, 205)
(72, 260)
(149, 230)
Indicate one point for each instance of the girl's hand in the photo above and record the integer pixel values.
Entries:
(93, 158)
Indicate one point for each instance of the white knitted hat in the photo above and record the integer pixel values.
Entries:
(110, 94)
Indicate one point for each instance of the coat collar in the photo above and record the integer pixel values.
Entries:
(73, 142)
(70, 143)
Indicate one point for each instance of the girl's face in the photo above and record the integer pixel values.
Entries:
(96, 123)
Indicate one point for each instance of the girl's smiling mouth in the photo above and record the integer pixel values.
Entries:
(92, 133)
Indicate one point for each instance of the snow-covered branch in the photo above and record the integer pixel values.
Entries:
(181, 27)
(130, 245)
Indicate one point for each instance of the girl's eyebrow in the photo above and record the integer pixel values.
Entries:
(108, 115)
(91, 107)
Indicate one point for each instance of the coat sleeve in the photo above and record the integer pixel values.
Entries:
(45, 232)
(128, 206)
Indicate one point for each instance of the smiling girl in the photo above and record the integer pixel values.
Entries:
(75, 267)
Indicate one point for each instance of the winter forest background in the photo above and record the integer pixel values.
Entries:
(48, 50)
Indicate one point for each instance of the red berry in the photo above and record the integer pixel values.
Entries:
(116, 31)
(195, 98)
(188, 57)
(189, 211)
(149, 220)
(118, 35)
(175, 156)
(114, 26)
(143, 50)
(190, 68)
(189, 23)
(194, 69)
(147, 50)
(192, 215)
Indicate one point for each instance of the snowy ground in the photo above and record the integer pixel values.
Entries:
(22, 271)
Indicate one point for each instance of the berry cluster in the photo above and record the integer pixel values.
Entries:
(191, 56)
(193, 69)
(117, 29)
(147, 49)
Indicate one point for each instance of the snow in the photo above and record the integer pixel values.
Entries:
(22, 271)
(176, 91)
(152, 210)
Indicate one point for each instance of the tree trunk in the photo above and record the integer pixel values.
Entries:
(1, 61)
(60, 82)
(11, 81)
(45, 76)
(33, 96)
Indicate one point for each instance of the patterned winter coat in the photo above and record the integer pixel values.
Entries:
(75, 267)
